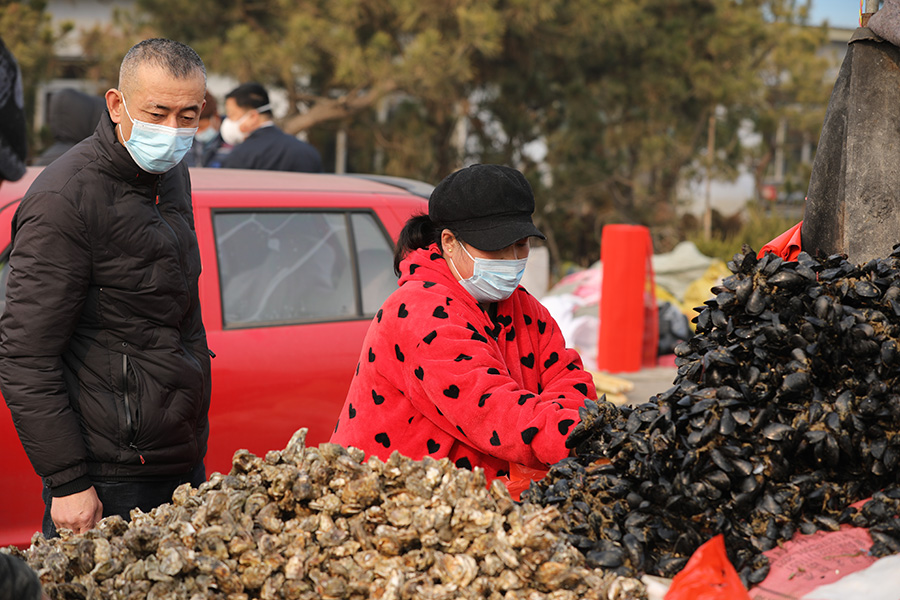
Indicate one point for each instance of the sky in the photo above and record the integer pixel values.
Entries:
(838, 13)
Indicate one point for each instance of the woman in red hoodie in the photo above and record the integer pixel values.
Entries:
(461, 362)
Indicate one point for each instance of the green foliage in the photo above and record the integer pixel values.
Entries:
(761, 224)
(618, 93)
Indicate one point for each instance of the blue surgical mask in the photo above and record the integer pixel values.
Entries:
(207, 135)
(492, 280)
(157, 148)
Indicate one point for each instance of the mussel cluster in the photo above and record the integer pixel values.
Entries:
(310, 523)
(784, 412)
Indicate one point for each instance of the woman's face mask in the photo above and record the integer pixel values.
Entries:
(157, 148)
(492, 280)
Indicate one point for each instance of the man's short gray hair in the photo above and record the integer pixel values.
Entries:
(178, 59)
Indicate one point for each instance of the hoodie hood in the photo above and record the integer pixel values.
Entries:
(74, 115)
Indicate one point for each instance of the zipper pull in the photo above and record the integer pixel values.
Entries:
(141, 456)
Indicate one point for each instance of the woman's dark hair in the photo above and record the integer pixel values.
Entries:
(17, 580)
(419, 232)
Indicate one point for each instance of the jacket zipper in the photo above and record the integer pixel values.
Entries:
(187, 285)
(129, 424)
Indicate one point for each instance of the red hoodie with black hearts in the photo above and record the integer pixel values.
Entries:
(437, 376)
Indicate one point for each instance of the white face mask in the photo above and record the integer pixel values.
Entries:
(492, 280)
(230, 130)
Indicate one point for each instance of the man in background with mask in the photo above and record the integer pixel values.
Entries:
(103, 356)
(258, 142)
(207, 141)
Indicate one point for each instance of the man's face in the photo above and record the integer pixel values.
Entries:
(158, 97)
(247, 119)
(207, 122)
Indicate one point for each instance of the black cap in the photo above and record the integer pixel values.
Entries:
(488, 206)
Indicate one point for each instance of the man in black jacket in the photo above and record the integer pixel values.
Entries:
(103, 356)
(258, 142)
(12, 118)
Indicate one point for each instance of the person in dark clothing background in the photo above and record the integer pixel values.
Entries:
(12, 118)
(258, 142)
(207, 142)
(73, 117)
(104, 363)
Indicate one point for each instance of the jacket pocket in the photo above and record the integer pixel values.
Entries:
(131, 401)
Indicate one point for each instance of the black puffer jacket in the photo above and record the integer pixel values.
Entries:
(103, 356)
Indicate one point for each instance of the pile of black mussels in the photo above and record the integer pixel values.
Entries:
(784, 412)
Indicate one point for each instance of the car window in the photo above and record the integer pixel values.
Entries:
(294, 266)
(375, 257)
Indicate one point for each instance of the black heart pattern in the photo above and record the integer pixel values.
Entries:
(378, 314)
(376, 398)
(371, 355)
(383, 439)
(511, 334)
(571, 366)
(433, 446)
(541, 326)
(436, 256)
(495, 439)
(459, 429)
(564, 426)
(528, 361)
(581, 387)
(551, 361)
(482, 399)
(420, 373)
(475, 334)
(502, 473)
(351, 411)
(452, 392)
(493, 371)
(402, 312)
(528, 434)
(462, 357)
(412, 268)
(527, 319)
(430, 337)
(440, 313)
(504, 320)
(524, 398)
(428, 284)
(464, 463)
(399, 354)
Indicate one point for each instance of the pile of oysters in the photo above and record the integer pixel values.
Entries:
(310, 523)
(785, 411)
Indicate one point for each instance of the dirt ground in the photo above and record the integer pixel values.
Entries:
(648, 382)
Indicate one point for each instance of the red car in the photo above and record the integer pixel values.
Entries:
(294, 268)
